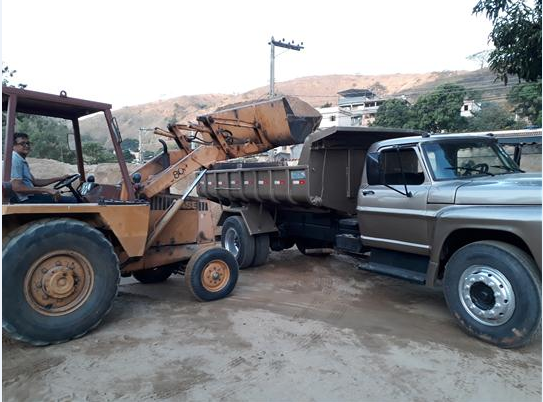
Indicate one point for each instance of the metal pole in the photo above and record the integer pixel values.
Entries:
(10, 131)
(140, 145)
(272, 68)
(286, 45)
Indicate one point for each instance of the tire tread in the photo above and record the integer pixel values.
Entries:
(60, 224)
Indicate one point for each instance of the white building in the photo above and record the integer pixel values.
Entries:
(469, 107)
(331, 116)
(356, 107)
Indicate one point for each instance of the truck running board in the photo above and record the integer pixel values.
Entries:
(406, 266)
(395, 272)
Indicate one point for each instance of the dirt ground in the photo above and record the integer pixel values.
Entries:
(298, 328)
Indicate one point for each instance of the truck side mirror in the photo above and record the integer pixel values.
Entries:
(373, 172)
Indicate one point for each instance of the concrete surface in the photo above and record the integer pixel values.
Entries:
(299, 328)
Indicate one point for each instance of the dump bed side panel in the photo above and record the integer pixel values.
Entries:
(277, 185)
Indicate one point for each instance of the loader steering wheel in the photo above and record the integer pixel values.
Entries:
(67, 182)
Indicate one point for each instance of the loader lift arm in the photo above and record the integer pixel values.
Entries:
(242, 130)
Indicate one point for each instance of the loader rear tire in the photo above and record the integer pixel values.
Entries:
(211, 273)
(235, 238)
(154, 275)
(60, 277)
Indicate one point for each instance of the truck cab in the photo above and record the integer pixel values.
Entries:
(415, 183)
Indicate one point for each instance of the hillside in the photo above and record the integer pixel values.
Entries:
(316, 90)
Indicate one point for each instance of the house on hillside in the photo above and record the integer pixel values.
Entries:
(356, 107)
(469, 107)
(331, 116)
(359, 107)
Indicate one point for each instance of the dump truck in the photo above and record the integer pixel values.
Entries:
(450, 211)
(61, 263)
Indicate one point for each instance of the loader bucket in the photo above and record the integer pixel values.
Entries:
(278, 121)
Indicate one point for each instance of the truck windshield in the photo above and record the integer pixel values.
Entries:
(457, 159)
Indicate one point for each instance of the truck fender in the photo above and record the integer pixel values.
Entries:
(257, 219)
(451, 219)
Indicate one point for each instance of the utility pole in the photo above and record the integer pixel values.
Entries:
(285, 45)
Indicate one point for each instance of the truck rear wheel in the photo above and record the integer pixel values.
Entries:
(235, 237)
(262, 249)
(154, 275)
(60, 277)
(493, 289)
(211, 273)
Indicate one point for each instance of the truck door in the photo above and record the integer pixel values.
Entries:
(392, 201)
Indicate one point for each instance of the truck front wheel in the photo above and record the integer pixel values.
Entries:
(493, 289)
(59, 279)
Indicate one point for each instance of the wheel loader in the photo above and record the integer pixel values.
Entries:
(61, 263)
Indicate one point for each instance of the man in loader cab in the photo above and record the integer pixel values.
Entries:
(28, 189)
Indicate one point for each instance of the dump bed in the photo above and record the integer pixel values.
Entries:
(327, 176)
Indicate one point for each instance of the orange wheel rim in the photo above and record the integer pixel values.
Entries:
(215, 275)
(58, 283)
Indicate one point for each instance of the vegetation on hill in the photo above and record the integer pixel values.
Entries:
(317, 91)
(516, 35)
(439, 111)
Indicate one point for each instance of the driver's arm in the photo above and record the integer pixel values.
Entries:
(18, 186)
(46, 182)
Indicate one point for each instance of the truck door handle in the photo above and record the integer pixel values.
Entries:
(368, 192)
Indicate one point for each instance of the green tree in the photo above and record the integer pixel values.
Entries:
(516, 35)
(526, 99)
(393, 113)
(7, 74)
(128, 157)
(49, 137)
(439, 111)
(130, 144)
(491, 117)
(436, 111)
(94, 152)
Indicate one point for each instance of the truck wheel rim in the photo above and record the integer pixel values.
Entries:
(487, 295)
(215, 275)
(231, 241)
(58, 283)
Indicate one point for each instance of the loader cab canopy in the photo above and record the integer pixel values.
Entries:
(17, 100)
(43, 104)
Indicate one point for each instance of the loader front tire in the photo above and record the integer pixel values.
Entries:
(60, 277)
(211, 273)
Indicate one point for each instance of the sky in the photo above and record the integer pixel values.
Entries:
(132, 52)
